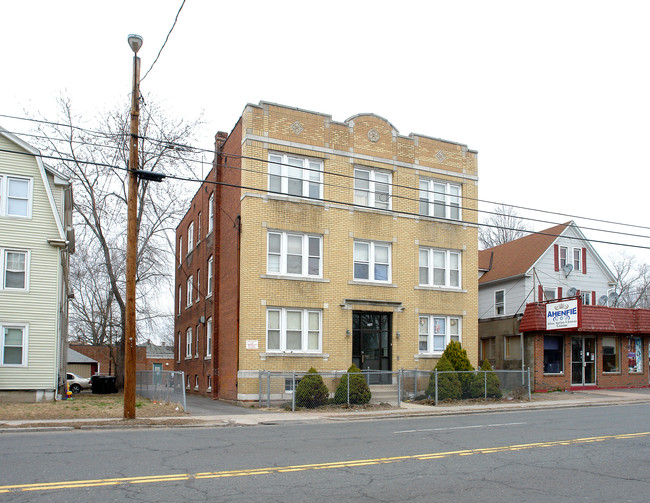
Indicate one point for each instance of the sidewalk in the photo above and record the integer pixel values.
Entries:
(245, 418)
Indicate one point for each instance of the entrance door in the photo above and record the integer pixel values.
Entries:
(583, 361)
(371, 341)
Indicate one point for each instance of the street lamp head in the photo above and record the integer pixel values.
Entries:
(135, 41)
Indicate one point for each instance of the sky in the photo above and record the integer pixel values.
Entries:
(553, 95)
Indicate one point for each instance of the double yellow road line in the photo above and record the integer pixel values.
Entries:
(78, 484)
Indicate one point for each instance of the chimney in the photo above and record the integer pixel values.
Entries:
(219, 139)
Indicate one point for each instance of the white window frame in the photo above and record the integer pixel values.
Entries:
(282, 329)
(372, 246)
(283, 254)
(426, 261)
(586, 298)
(190, 237)
(188, 343)
(437, 193)
(209, 388)
(180, 347)
(189, 380)
(196, 382)
(190, 282)
(562, 261)
(3, 269)
(546, 296)
(4, 326)
(180, 300)
(210, 272)
(369, 196)
(208, 337)
(501, 304)
(198, 228)
(198, 335)
(426, 327)
(211, 214)
(283, 169)
(198, 285)
(4, 195)
(576, 261)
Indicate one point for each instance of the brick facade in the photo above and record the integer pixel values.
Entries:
(244, 289)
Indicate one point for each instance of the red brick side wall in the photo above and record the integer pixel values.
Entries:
(622, 379)
(101, 355)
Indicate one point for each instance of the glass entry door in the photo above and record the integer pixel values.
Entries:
(371, 344)
(583, 361)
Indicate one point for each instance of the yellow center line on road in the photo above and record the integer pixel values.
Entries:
(78, 484)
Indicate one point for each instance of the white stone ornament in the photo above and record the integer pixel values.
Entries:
(297, 128)
(440, 155)
(373, 135)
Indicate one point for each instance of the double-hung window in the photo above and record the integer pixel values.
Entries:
(198, 284)
(209, 287)
(577, 259)
(372, 261)
(295, 176)
(293, 330)
(499, 303)
(294, 254)
(190, 284)
(435, 332)
(180, 300)
(14, 345)
(440, 199)
(372, 188)
(15, 196)
(208, 337)
(564, 253)
(14, 265)
(439, 268)
(190, 237)
(211, 213)
(188, 343)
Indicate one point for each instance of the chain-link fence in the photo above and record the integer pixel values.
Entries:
(299, 390)
(161, 386)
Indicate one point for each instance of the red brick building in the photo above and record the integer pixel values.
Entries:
(609, 348)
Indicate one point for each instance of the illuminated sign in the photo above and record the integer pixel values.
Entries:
(563, 314)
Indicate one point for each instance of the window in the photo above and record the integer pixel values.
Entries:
(209, 384)
(189, 378)
(211, 213)
(188, 343)
(180, 300)
(196, 382)
(198, 284)
(372, 261)
(190, 237)
(180, 345)
(14, 345)
(635, 355)
(553, 354)
(294, 254)
(550, 294)
(190, 282)
(435, 332)
(15, 196)
(208, 337)
(487, 348)
(372, 188)
(290, 384)
(295, 176)
(209, 288)
(196, 348)
(180, 250)
(439, 268)
(512, 347)
(440, 199)
(198, 228)
(577, 259)
(14, 265)
(293, 330)
(499, 303)
(586, 298)
(611, 354)
(564, 252)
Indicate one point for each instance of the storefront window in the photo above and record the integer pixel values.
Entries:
(611, 358)
(634, 355)
(553, 354)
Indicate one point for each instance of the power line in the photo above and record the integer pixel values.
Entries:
(165, 42)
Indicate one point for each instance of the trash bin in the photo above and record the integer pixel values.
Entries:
(103, 385)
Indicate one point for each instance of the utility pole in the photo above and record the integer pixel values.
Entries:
(135, 41)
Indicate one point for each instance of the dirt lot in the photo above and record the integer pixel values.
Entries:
(86, 405)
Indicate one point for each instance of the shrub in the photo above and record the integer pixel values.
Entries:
(359, 390)
(457, 356)
(479, 382)
(449, 386)
(311, 391)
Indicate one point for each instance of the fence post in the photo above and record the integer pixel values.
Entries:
(415, 386)
(485, 382)
(293, 387)
(259, 385)
(400, 380)
(348, 374)
(436, 374)
(529, 397)
(268, 389)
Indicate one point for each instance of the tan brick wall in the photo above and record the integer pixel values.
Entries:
(341, 148)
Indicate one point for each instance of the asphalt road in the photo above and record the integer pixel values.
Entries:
(577, 454)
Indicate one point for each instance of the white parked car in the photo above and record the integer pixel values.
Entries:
(76, 383)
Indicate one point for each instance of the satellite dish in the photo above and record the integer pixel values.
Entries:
(567, 269)
(612, 297)
(602, 300)
(571, 292)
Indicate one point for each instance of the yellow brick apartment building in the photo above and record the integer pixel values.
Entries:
(327, 243)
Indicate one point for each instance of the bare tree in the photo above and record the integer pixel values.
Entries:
(503, 225)
(91, 156)
(632, 282)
